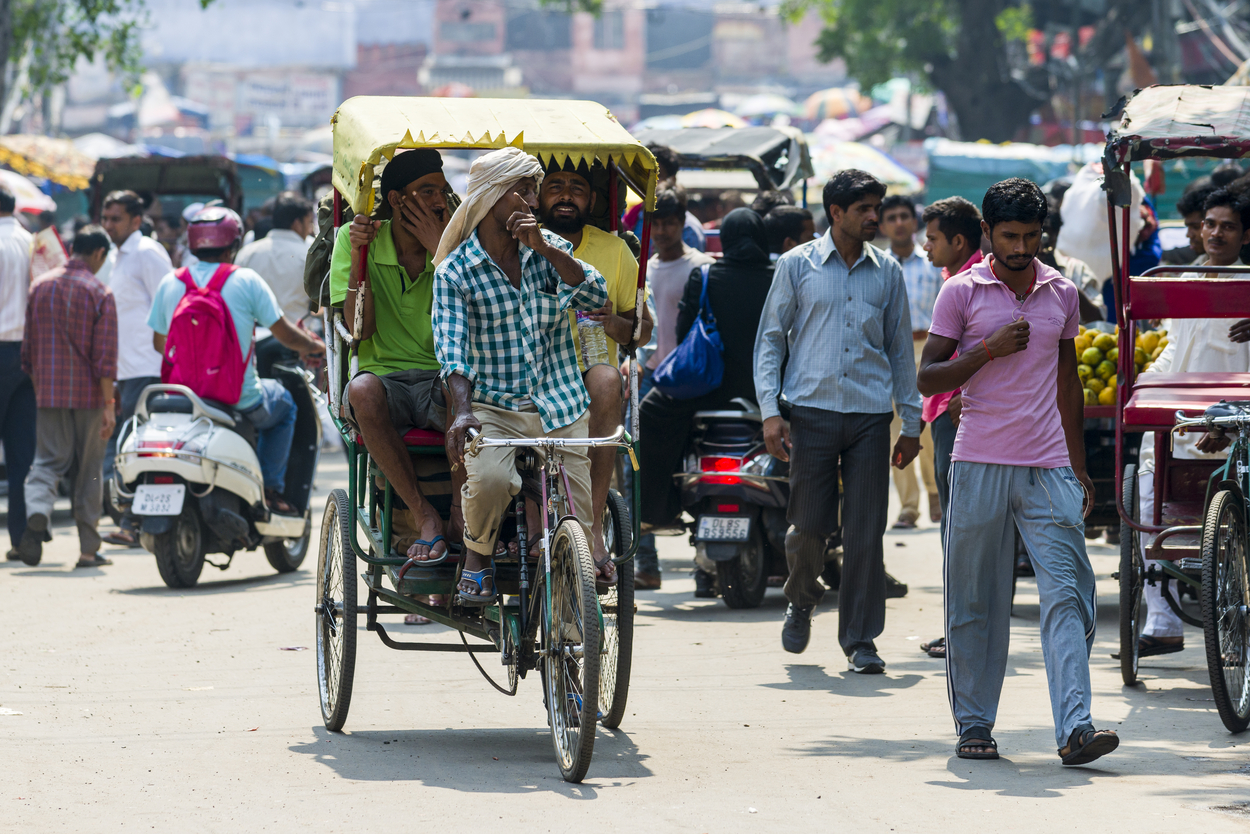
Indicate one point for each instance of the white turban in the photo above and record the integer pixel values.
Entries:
(491, 177)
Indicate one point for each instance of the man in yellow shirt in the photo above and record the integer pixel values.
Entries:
(565, 201)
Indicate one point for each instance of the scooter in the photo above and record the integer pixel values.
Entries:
(188, 479)
(737, 493)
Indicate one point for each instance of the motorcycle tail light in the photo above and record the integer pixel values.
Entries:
(720, 464)
(728, 508)
(723, 480)
(155, 448)
(162, 479)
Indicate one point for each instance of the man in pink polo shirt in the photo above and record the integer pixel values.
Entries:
(1019, 456)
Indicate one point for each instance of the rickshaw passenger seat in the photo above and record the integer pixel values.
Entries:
(1155, 408)
(423, 437)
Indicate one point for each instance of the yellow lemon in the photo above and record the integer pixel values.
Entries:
(1080, 328)
(1112, 380)
(1092, 356)
(1146, 367)
(1106, 396)
(1113, 355)
(1090, 397)
(1105, 370)
(1163, 342)
(1104, 342)
(1154, 354)
(1095, 384)
(1083, 371)
(1082, 343)
(1148, 341)
(1140, 356)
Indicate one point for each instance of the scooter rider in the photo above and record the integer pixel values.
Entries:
(215, 236)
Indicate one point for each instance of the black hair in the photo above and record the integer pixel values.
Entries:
(665, 156)
(130, 201)
(766, 201)
(784, 222)
(213, 253)
(88, 239)
(1014, 200)
(289, 209)
(850, 186)
(671, 202)
(1194, 198)
(1226, 173)
(7, 201)
(1226, 197)
(898, 201)
(955, 216)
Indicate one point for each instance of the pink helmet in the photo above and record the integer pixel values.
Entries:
(215, 227)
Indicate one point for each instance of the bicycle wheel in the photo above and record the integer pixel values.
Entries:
(570, 651)
(618, 615)
(1132, 582)
(336, 612)
(1226, 626)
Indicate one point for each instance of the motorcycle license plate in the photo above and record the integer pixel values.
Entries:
(719, 528)
(159, 499)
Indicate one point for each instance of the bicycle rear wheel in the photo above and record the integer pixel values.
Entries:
(618, 615)
(336, 612)
(1132, 582)
(570, 651)
(1226, 624)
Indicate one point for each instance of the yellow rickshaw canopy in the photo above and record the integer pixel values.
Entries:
(369, 129)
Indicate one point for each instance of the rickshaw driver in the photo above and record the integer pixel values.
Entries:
(502, 291)
(397, 387)
(565, 201)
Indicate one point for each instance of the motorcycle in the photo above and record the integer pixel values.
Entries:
(737, 493)
(188, 479)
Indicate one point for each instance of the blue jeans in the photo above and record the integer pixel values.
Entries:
(274, 420)
(647, 560)
(17, 429)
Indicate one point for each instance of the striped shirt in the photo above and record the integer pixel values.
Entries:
(515, 346)
(848, 332)
(71, 337)
(923, 281)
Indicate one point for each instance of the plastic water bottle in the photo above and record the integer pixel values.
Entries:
(594, 341)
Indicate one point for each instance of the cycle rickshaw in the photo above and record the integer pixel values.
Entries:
(1197, 525)
(549, 615)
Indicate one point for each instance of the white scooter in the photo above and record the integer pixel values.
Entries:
(188, 477)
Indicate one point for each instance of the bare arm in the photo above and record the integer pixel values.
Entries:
(1071, 401)
(461, 391)
(369, 326)
(109, 417)
(620, 328)
(296, 338)
(939, 373)
(523, 226)
(158, 342)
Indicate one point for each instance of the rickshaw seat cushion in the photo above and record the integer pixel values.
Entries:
(1194, 380)
(423, 437)
(1157, 407)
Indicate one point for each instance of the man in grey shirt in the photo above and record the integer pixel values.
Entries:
(839, 306)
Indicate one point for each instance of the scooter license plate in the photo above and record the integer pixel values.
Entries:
(719, 528)
(159, 499)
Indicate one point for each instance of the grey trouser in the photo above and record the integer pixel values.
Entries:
(826, 444)
(1045, 505)
(68, 442)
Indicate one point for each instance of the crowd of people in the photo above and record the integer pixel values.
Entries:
(508, 313)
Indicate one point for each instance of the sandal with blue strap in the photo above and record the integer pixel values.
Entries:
(428, 563)
(478, 577)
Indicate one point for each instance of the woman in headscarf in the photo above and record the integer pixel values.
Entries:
(737, 287)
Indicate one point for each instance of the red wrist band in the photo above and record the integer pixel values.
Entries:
(987, 350)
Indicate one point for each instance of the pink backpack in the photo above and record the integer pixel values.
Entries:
(202, 348)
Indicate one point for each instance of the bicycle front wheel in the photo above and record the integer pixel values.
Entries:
(1225, 623)
(570, 651)
(617, 605)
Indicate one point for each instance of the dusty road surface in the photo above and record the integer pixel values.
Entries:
(143, 708)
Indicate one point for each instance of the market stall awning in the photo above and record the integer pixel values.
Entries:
(52, 159)
(1174, 120)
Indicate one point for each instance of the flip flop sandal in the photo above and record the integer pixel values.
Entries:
(97, 561)
(602, 584)
(978, 736)
(417, 619)
(1148, 646)
(478, 577)
(936, 648)
(121, 540)
(437, 560)
(1096, 743)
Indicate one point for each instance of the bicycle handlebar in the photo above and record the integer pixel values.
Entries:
(1184, 422)
(477, 441)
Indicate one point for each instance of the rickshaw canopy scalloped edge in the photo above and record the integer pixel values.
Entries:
(370, 129)
(1167, 121)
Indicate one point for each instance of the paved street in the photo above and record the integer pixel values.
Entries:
(146, 708)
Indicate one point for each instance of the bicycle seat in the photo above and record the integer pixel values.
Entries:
(423, 437)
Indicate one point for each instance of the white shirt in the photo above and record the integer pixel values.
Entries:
(279, 258)
(667, 280)
(141, 264)
(15, 243)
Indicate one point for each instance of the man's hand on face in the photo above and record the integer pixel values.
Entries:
(523, 225)
(456, 435)
(1009, 339)
(426, 226)
(905, 451)
(1240, 332)
(777, 438)
(362, 231)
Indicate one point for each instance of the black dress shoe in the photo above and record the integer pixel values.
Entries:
(30, 548)
(704, 584)
(866, 661)
(894, 589)
(797, 630)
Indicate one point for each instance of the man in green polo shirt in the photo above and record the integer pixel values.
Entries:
(397, 387)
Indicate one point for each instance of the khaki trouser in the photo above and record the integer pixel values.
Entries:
(68, 442)
(492, 480)
(905, 479)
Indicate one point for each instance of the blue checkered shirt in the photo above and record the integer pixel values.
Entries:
(923, 281)
(515, 346)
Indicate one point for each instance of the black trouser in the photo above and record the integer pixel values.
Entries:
(856, 446)
(17, 429)
(270, 352)
(128, 391)
(664, 428)
(943, 431)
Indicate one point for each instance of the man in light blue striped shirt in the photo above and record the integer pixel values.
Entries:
(839, 306)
